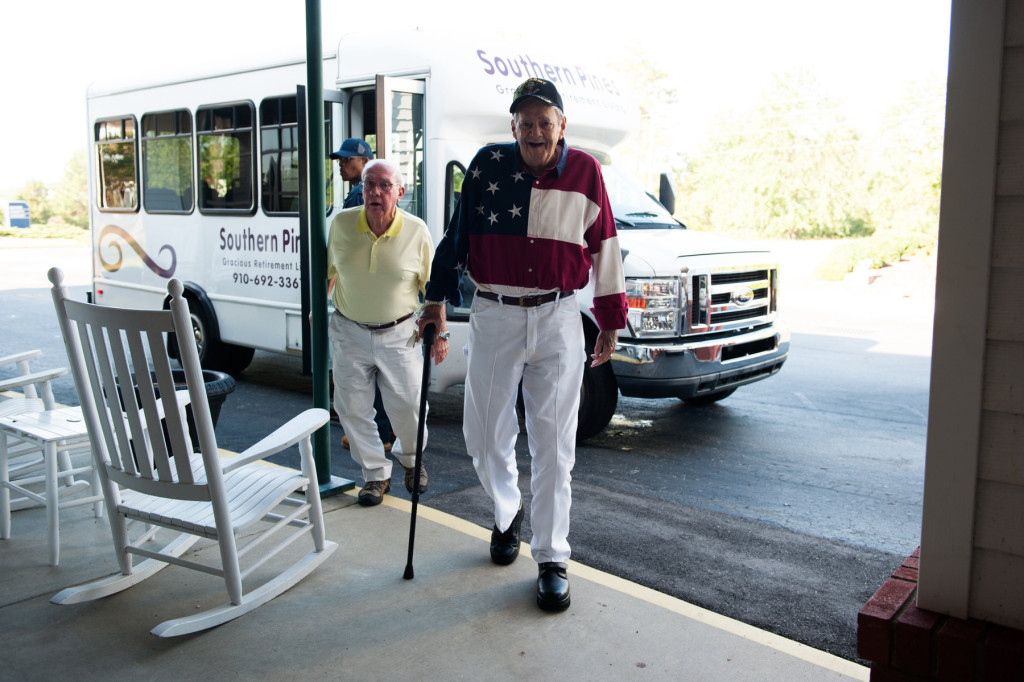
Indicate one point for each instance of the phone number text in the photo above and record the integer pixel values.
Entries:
(266, 280)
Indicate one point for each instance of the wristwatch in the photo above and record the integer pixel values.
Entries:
(444, 335)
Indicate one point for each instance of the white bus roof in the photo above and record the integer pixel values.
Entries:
(221, 69)
(476, 78)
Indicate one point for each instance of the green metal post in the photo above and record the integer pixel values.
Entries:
(318, 242)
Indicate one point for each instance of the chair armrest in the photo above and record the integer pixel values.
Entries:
(20, 357)
(33, 378)
(299, 427)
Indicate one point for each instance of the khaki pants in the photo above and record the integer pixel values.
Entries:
(361, 357)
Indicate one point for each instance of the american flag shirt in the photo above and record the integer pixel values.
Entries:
(517, 234)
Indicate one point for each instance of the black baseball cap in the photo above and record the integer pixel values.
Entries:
(538, 88)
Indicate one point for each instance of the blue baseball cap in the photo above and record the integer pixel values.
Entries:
(353, 146)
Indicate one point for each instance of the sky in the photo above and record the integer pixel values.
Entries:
(718, 55)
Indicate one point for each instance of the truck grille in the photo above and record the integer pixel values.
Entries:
(735, 277)
(732, 299)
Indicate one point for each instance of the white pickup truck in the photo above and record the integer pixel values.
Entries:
(703, 315)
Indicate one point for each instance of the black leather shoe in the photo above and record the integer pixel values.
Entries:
(553, 586)
(505, 546)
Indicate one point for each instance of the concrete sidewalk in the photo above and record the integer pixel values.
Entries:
(461, 617)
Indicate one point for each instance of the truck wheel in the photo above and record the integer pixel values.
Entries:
(709, 398)
(599, 394)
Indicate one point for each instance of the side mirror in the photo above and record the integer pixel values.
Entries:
(667, 195)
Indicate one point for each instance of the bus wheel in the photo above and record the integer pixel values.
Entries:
(214, 353)
(205, 343)
(599, 394)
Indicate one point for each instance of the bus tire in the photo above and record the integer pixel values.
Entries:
(213, 353)
(234, 359)
(599, 394)
(206, 339)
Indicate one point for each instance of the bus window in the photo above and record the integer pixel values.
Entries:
(279, 156)
(362, 116)
(226, 164)
(167, 162)
(115, 151)
(328, 162)
(362, 123)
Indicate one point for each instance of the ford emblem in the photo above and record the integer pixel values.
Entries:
(742, 296)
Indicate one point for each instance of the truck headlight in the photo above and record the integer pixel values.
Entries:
(654, 307)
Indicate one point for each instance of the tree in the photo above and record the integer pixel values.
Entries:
(38, 198)
(652, 150)
(905, 164)
(70, 198)
(787, 168)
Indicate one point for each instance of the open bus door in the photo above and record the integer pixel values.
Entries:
(392, 114)
(401, 136)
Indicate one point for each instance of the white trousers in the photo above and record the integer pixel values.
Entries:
(359, 358)
(544, 348)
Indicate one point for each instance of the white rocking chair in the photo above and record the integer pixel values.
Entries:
(150, 473)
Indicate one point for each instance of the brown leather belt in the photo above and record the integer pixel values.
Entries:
(524, 301)
(378, 327)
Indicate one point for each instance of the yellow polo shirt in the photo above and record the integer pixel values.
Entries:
(379, 279)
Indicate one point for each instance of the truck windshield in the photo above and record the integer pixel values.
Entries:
(632, 206)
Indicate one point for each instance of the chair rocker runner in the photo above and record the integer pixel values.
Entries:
(150, 473)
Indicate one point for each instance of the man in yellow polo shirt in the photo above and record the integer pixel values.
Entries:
(378, 262)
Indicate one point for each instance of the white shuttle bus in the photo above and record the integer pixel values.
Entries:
(198, 178)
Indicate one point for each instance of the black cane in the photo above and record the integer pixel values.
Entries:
(428, 341)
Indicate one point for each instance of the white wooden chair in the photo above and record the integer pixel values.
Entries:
(37, 442)
(151, 474)
(27, 391)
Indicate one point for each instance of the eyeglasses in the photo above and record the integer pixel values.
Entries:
(544, 126)
(384, 187)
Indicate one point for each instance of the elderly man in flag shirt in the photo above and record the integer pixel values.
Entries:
(533, 222)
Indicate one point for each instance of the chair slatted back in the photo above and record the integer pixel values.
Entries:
(119, 358)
